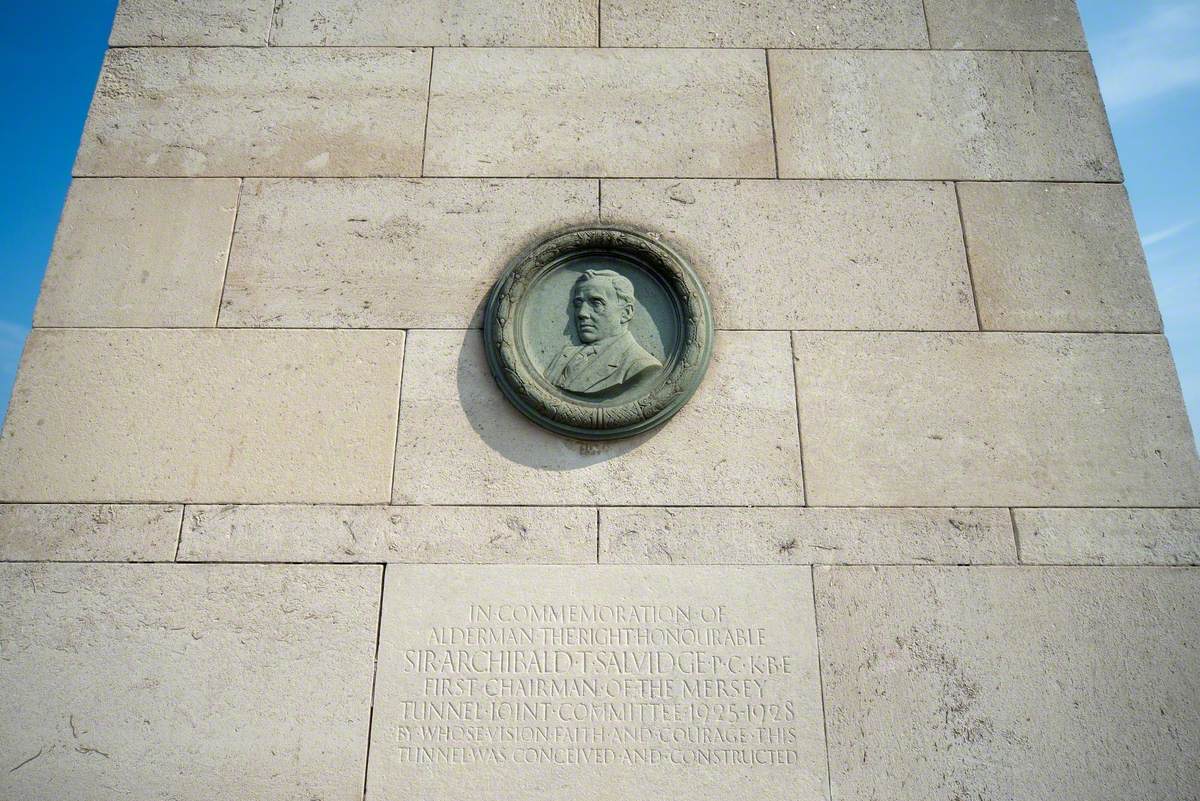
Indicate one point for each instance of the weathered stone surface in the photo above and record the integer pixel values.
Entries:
(187, 22)
(993, 420)
(257, 111)
(812, 254)
(735, 442)
(139, 252)
(386, 253)
(202, 415)
(624, 708)
(106, 532)
(487, 534)
(763, 23)
(793, 535)
(561, 23)
(1005, 24)
(185, 681)
(611, 112)
(951, 683)
(940, 115)
(1109, 536)
(1057, 257)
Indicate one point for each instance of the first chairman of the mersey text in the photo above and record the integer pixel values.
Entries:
(608, 357)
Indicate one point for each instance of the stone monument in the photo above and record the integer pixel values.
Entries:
(610, 400)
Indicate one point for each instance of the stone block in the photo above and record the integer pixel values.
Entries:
(547, 23)
(1057, 257)
(896, 24)
(256, 111)
(940, 116)
(993, 420)
(208, 416)
(1005, 24)
(187, 682)
(1109, 536)
(88, 532)
(611, 112)
(386, 253)
(145, 252)
(485, 534)
(812, 254)
(461, 442)
(795, 535)
(1066, 683)
(610, 683)
(187, 22)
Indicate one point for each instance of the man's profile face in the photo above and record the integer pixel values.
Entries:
(599, 313)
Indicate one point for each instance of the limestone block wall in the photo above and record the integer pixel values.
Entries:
(939, 392)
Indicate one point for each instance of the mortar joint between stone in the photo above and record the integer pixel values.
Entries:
(962, 226)
(237, 208)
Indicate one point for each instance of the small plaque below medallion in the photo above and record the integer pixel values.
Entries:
(610, 683)
(598, 333)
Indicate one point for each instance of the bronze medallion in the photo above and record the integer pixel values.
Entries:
(598, 333)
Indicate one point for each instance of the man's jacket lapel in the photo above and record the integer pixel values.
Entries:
(604, 363)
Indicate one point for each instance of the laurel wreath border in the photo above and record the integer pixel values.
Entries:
(544, 404)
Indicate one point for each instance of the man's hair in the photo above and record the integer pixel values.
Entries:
(622, 286)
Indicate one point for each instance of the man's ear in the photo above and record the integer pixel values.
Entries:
(627, 313)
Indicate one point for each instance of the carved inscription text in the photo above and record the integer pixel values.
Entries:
(597, 684)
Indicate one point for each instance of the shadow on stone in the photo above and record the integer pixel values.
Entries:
(509, 433)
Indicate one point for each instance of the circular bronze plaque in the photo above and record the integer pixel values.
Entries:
(598, 333)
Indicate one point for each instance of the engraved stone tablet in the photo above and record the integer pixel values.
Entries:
(598, 333)
(543, 683)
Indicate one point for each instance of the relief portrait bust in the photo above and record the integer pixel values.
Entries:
(607, 356)
(598, 332)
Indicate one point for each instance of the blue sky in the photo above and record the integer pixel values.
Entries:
(1147, 55)
(50, 57)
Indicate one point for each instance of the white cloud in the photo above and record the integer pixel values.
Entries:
(1154, 58)
(1166, 233)
(12, 332)
(12, 339)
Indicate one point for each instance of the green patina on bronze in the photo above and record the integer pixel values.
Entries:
(598, 333)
